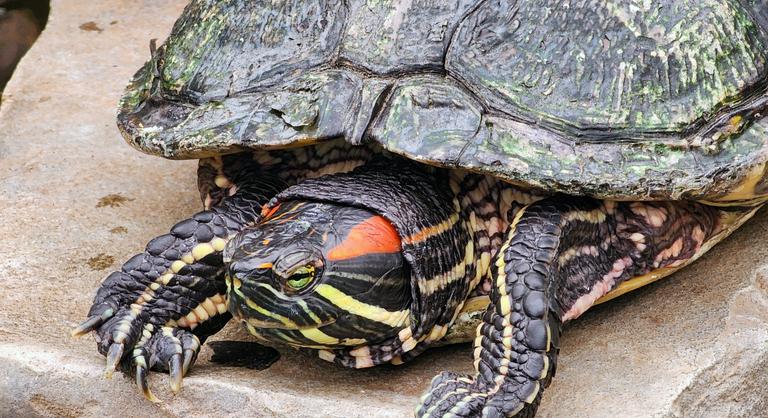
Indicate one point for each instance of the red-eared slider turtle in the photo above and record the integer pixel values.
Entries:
(374, 171)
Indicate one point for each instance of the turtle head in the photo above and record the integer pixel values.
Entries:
(319, 274)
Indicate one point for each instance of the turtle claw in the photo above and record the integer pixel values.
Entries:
(175, 371)
(114, 355)
(141, 378)
(189, 358)
(191, 345)
(169, 349)
(92, 323)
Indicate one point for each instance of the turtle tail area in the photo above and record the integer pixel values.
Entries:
(561, 255)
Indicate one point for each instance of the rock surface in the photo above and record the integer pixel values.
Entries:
(78, 201)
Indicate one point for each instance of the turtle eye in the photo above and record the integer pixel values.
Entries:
(301, 277)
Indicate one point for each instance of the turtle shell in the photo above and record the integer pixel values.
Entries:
(655, 99)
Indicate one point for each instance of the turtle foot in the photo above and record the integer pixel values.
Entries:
(131, 345)
(173, 350)
(453, 395)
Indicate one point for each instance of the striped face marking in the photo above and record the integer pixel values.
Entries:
(320, 275)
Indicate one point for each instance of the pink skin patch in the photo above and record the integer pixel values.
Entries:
(698, 236)
(670, 252)
(639, 240)
(677, 247)
(589, 250)
(653, 216)
(669, 257)
(600, 288)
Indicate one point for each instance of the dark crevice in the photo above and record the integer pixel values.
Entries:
(455, 30)
(378, 107)
(21, 21)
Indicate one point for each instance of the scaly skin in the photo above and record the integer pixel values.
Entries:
(163, 303)
(561, 254)
(157, 310)
(544, 261)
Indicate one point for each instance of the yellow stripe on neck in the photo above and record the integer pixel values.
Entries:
(374, 313)
(251, 304)
(318, 336)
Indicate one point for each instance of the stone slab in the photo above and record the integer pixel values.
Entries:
(78, 201)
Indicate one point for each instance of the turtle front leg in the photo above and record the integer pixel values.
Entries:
(561, 255)
(155, 311)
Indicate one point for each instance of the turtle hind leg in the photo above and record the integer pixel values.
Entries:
(156, 311)
(562, 254)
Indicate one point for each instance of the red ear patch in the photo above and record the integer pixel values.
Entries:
(374, 235)
(266, 211)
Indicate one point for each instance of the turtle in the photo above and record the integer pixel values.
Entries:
(380, 177)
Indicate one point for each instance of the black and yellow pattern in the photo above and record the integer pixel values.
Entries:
(436, 242)
(366, 259)
(158, 308)
(165, 302)
(303, 277)
(327, 114)
(561, 255)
